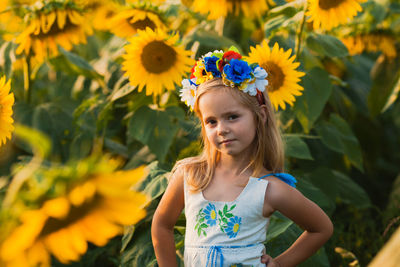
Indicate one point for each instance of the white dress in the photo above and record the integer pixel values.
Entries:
(226, 234)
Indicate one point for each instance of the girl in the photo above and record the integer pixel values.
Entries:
(231, 189)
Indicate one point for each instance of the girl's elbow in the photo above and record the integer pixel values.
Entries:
(156, 225)
(159, 223)
(329, 229)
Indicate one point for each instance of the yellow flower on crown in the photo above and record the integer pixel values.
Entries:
(200, 72)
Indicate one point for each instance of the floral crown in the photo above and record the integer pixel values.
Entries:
(231, 68)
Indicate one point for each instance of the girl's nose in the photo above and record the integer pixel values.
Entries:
(222, 129)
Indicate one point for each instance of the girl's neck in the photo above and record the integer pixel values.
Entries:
(233, 165)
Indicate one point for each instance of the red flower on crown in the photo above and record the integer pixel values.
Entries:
(228, 55)
(192, 71)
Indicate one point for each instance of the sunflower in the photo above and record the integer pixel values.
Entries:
(91, 209)
(328, 14)
(156, 2)
(6, 103)
(155, 60)
(99, 11)
(220, 8)
(50, 26)
(282, 75)
(372, 42)
(126, 23)
(10, 23)
(23, 2)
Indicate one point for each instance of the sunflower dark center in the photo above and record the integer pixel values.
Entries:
(76, 213)
(54, 29)
(93, 5)
(328, 4)
(142, 24)
(275, 78)
(158, 57)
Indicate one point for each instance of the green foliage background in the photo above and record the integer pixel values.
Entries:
(342, 135)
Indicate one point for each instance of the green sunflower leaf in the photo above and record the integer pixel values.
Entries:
(155, 128)
(74, 64)
(295, 147)
(385, 86)
(326, 45)
(338, 136)
(317, 90)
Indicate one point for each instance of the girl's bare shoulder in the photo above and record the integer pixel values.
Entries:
(177, 176)
(279, 193)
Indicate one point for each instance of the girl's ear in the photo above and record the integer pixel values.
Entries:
(263, 113)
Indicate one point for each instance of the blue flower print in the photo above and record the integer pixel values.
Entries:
(211, 214)
(233, 226)
(237, 71)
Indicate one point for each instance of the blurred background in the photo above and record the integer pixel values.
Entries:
(91, 120)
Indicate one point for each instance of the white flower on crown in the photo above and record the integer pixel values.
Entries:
(188, 92)
(259, 82)
(209, 54)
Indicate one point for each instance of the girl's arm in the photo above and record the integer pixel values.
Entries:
(305, 213)
(164, 219)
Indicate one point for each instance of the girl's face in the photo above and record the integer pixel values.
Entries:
(229, 125)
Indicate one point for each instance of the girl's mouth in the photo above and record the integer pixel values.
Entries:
(225, 142)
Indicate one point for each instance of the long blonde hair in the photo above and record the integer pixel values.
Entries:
(269, 151)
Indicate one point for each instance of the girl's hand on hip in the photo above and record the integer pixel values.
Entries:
(269, 261)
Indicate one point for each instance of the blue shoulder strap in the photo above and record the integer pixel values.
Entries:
(287, 178)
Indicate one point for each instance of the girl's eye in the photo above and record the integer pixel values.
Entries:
(232, 117)
(210, 122)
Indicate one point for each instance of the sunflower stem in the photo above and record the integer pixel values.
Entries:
(219, 26)
(27, 78)
(300, 33)
(19, 179)
(98, 143)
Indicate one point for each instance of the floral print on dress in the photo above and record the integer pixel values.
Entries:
(227, 222)
(201, 225)
(211, 214)
(233, 226)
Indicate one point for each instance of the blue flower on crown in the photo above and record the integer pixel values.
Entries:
(211, 66)
(211, 214)
(233, 226)
(237, 71)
